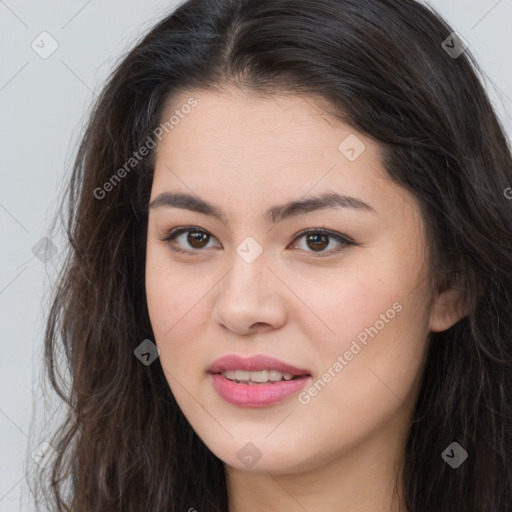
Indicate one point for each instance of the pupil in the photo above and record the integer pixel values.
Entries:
(315, 238)
(195, 238)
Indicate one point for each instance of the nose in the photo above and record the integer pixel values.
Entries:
(250, 298)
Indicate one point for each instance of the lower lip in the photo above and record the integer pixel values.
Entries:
(256, 395)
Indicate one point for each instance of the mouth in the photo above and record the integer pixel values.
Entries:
(258, 381)
(258, 377)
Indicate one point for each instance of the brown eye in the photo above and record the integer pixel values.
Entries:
(318, 240)
(193, 240)
(197, 239)
(188, 239)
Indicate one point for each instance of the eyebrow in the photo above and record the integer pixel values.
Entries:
(274, 214)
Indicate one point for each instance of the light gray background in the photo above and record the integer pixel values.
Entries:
(44, 103)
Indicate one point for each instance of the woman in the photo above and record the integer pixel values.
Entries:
(289, 284)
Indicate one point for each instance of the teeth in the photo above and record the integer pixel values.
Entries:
(274, 375)
(242, 375)
(261, 376)
(257, 377)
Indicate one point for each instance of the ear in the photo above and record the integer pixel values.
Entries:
(447, 309)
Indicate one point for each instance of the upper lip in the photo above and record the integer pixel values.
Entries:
(254, 363)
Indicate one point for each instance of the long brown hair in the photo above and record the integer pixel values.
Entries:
(382, 65)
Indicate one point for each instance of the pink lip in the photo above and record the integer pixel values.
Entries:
(256, 395)
(254, 363)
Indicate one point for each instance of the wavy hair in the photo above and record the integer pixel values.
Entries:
(381, 65)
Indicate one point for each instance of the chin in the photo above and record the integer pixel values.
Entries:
(263, 456)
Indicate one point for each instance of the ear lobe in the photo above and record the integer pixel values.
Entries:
(447, 309)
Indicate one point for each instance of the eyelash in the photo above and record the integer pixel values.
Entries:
(344, 241)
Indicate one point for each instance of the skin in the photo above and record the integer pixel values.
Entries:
(343, 450)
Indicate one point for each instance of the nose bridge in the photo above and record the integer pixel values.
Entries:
(248, 294)
(248, 269)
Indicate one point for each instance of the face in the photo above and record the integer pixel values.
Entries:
(329, 299)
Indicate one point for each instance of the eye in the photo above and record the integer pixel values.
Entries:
(319, 239)
(196, 238)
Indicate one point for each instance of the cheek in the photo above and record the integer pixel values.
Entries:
(378, 323)
(173, 303)
(177, 302)
(350, 300)
(169, 290)
(379, 368)
(362, 320)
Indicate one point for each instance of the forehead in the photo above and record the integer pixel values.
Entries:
(255, 148)
(251, 131)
